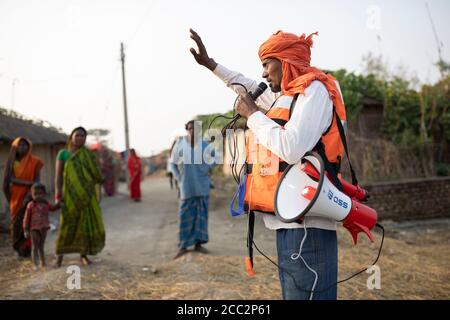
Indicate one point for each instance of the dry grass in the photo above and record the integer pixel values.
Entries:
(414, 267)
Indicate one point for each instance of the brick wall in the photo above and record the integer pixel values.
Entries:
(413, 199)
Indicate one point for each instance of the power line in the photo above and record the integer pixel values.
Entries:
(140, 24)
(438, 42)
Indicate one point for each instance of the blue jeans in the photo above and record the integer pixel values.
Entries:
(320, 253)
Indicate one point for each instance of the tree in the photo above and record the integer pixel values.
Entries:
(444, 68)
(100, 135)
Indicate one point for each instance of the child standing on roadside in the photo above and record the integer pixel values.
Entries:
(36, 222)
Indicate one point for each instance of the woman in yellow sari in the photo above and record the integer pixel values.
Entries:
(21, 172)
(77, 177)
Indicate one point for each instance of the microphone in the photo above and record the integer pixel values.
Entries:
(261, 88)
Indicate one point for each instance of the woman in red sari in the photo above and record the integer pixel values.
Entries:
(21, 172)
(134, 172)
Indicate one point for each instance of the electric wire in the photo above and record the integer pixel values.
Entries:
(295, 256)
(334, 284)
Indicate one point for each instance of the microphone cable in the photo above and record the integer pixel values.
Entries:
(334, 284)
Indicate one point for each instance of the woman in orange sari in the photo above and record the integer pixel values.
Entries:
(21, 172)
(134, 171)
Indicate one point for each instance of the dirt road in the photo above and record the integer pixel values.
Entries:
(142, 239)
(146, 233)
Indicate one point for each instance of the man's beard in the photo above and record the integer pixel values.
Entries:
(274, 89)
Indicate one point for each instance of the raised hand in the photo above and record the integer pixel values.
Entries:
(201, 56)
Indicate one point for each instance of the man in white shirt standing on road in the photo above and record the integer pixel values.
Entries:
(299, 120)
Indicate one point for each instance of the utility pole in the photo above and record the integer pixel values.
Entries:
(127, 137)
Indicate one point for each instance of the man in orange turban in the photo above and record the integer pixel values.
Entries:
(300, 115)
(296, 74)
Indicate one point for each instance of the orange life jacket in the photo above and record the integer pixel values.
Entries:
(264, 168)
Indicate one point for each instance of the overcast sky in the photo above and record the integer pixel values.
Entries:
(65, 54)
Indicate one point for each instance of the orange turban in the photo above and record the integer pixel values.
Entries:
(294, 53)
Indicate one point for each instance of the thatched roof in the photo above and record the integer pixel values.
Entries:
(12, 127)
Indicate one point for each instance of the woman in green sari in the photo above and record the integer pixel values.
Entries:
(77, 177)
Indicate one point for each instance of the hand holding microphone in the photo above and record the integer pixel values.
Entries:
(246, 105)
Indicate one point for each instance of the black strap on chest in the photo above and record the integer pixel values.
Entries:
(332, 168)
(291, 108)
(282, 122)
(344, 142)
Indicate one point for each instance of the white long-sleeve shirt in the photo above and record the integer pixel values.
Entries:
(311, 117)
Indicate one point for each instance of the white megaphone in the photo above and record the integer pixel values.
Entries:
(305, 189)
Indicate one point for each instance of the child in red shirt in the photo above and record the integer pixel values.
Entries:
(36, 221)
